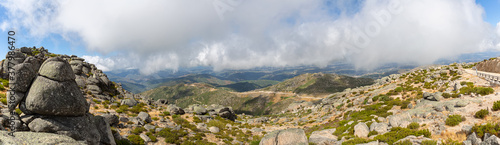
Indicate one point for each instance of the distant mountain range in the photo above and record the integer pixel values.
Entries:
(245, 80)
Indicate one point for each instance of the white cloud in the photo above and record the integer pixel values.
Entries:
(157, 34)
(498, 36)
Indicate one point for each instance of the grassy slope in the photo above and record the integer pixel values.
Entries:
(319, 83)
(184, 95)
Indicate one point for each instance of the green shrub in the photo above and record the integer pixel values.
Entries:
(3, 100)
(138, 130)
(138, 108)
(405, 104)
(496, 106)
(5, 82)
(136, 139)
(405, 142)
(493, 129)
(372, 133)
(165, 113)
(413, 125)
(481, 113)
(2, 88)
(196, 120)
(172, 136)
(355, 141)
(255, 142)
(18, 111)
(469, 84)
(153, 138)
(483, 91)
(385, 98)
(454, 120)
(446, 95)
(398, 133)
(398, 89)
(429, 142)
(122, 142)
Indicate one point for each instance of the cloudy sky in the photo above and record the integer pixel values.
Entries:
(156, 35)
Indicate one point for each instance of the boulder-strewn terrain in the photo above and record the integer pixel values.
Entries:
(60, 99)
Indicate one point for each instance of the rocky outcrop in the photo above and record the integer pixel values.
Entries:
(323, 137)
(55, 92)
(46, 91)
(37, 138)
(489, 66)
(433, 96)
(361, 130)
(414, 139)
(173, 109)
(380, 128)
(292, 136)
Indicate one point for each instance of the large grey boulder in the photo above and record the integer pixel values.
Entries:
(145, 137)
(111, 119)
(466, 129)
(14, 98)
(400, 120)
(144, 117)
(105, 79)
(434, 96)
(492, 140)
(213, 129)
(23, 76)
(323, 137)
(259, 120)
(54, 92)
(49, 97)
(78, 128)
(414, 139)
(361, 130)
(199, 110)
(173, 109)
(298, 104)
(227, 113)
(161, 102)
(457, 87)
(57, 69)
(102, 126)
(380, 128)
(462, 103)
(81, 81)
(474, 139)
(129, 102)
(35, 62)
(94, 89)
(292, 136)
(77, 65)
(36, 138)
(93, 80)
(17, 58)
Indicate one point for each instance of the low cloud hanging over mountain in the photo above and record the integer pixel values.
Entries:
(238, 34)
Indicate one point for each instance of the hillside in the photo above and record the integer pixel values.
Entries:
(319, 83)
(133, 80)
(184, 95)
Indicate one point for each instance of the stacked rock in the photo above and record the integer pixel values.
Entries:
(54, 103)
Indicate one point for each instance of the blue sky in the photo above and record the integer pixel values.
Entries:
(163, 35)
(492, 9)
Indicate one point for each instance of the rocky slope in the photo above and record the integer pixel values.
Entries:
(491, 65)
